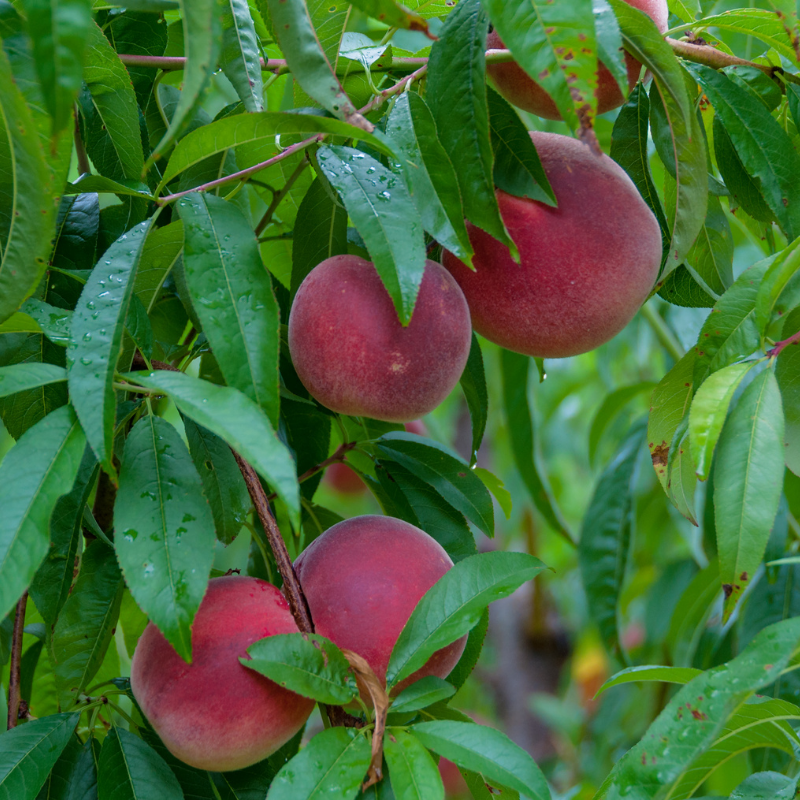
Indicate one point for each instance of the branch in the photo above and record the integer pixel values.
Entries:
(711, 57)
(337, 457)
(14, 683)
(781, 346)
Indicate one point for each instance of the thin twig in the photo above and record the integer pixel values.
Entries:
(398, 87)
(337, 457)
(14, 678)
(278, 196)
(781, 346)
(662, 331)
(711, 57)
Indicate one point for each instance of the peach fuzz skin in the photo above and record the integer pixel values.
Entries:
(353, 355)
(586, 266)
(215, 714)
(522, 91)
(362, 579)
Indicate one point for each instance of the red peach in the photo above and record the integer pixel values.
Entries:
(586, 266)
(215, 714)
(342, 478)
(362, 579)
(522, 91)
(454, 783)
(353, 355)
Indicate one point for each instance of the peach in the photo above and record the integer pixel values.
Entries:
(353, 355)
(362, 579)
(343, 479)
(586, 266)
(215, 714)
(522, 91)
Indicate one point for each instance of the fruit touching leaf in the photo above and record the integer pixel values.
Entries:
(422, 693)
(307, 664)
(748, 478)
(610, 51)
(413, 772)
(647, 673)
(454, 605)
(164, 531)
(485, 750)
(40, 468)
(21, 377)
(240, 57)
(96, 337)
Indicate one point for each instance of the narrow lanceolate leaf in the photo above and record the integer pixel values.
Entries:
(58, 31)
(86, 623)
(161, 251)
(308, 64)
(605, 541)
(765, 785)
(324, 226)
(130, 769)
(698, 712)
(423, 693)
(610, 50)
(748, 477)
(240, 58)
(239, 421)
(232, 295)
(765, 150)
(26, 221)
(21, 377)
(485, 750)
(201, 36)
(332, 764)
(164, 531)
(554, 45)
(392, 14)
(473, 382)
(306, 664)
(74, 775)
(384, 214)
(457, 97)
(779, 292)
(29, 752)
(447, 472)
(681, 675)
(34, 474)
(222, 480)
(523, 442)
(430, 175)
(97, 327)
(414, 773)
(787, 372)
(454, 605)
(708, 412)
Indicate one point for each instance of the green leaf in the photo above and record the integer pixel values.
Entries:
(26, 221)
(780, 290)
(552, 43)
(33, 475)
(454, 605)
(446, 471)
(429, 173)
(86, 623)
(54, 322)
(473, 383)
(161, 251)
(766, 786)
(610, 409)
(392, 14)
(21, 377)
(332, 764)
(414, 773)
(305, 663)
(605, 542)
(485, 750)
(384, 214)
(164, 530)
(610, 51)
(252, 129)
(130, 769)
(518, 169)
(202, 39)
(456, 93)
(232, 295)
(307, 62)
(223, 484)
(421, 694)
(497, 488)
(96, 338)
(688, 622)
(697, 713)
(29, 752)
(680, 675)
(762, 145)
(472, 652)
(523, 442)
(93, 184)
(240, 57)
(74, 776)
(236, 419)
(787, 371)
(77, 226)
(709, 410)
(59, 32)
(748, 478)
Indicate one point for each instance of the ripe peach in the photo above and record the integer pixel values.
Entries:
(342, 478)
(214, 713)
(362, 579)
(522, 91)
(353, 355)
(586, 266)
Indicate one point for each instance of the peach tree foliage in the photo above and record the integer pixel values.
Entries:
(152, 239)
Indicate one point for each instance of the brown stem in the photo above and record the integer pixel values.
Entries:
(711, 57)
(80, 151)
(337, 457)
(278, 196)
(398, 87)
(103, 508)
(781, 346)
(14, 679)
